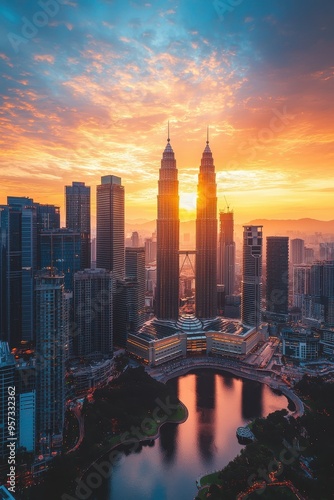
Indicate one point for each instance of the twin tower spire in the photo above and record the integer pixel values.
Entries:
(168, 228)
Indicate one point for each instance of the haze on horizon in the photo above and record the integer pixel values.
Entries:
(90, 92)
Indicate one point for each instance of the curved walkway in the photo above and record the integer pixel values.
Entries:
(181, 367)
(77, 413)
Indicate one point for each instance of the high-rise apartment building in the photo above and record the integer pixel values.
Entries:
(251, 284)
(135, 274)
(326, 250)
(52, 324)
(277, 274)
(150, 250)
(300, 284)
(206, 238)
(168, 226)
(93, 312)
(226, 253)
(322, 289)
(297, 251)
(77, 201)
(7, 380)
(110, 226)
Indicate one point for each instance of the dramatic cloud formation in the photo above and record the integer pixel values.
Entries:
(87, 89)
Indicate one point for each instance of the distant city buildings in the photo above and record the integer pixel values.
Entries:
(251, 284)
(77, 201)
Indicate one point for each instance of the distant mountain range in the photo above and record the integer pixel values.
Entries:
(271, 227)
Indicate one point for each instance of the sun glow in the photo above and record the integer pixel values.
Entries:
(188, 201)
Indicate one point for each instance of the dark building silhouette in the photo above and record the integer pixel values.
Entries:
(277, 274)
(226, 252)
(110, 226)
(251, 284)
(168, 223)
(77, 201)
(93, 312)
(206, 239)
(18, 260)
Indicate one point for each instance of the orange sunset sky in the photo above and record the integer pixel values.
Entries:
(90, 92)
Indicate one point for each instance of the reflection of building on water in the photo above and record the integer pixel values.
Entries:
(205, 410)
(252, 394)
(169, 432)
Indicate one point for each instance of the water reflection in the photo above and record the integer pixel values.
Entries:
(217, 405)
(205, 407)
(252, 394)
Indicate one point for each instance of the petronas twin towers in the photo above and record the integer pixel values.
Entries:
(168, 225)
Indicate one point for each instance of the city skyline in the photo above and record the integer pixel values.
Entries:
(92, 90)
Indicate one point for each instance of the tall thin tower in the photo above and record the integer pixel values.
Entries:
(251, 284)
(206, 238)
(77, 200)
(168, 226)
(226, 253)
(110, 250)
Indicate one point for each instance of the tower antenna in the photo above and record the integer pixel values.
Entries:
(207, 135)
(168, 138)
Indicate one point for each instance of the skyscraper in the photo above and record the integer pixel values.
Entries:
(277, 274)
(110, 226)
(52, 325)
(251, 283)
(168, 223)
(226, 253)
(93, 312)
(135, 273)
(301, 284)
(18, 226)
(77, 200)
(61, 248)
(206, 238)
(297, 251)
